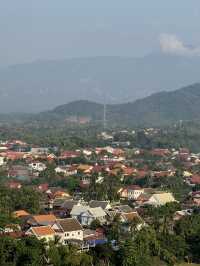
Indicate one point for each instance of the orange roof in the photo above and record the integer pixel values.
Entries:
(44, 218)
(43, 230)
(21, 213)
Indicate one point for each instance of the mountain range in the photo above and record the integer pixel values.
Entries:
(158, 109)
(42, 85)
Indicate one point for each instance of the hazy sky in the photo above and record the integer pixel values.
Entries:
(51, 29)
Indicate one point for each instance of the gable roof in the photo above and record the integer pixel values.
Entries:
(42, 231)
(98, 203)
(44, 218)
(129, 217)
(69, 224)
(69, 204)
(163, 198)
(195, 179)
(78, 209)
(97, 212)
(21, 213)
(124, 208)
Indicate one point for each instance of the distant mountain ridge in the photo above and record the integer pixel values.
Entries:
(158, 109)
(41, 85)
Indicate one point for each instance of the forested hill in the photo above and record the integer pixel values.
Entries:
(158, 109)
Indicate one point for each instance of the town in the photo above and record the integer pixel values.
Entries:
(97, 198)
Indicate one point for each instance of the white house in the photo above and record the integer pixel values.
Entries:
(37, 166)
(39, 150)
(87, 215)
(93, 214)
(134, 192)
(131, 192)
(67, 170)
(2, 161)
(68, 229)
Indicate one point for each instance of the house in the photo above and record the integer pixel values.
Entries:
(39, 151)
(158, 174)
(160, 198)
(195, 197)
(68, 205)
(2, 161)
(123, 192)
(180, 214)
(128, 219)
(20, 214)
(195, 179)
(14, 185)
(43, 187)
(20, 172)
(92, 214)
(67, 170)
(14, 155)
(94, 237)
(70, 154)
(123, 208)
(42, 233)
(105, 205)
(68, 229)
(84, 182)
(160, 152)
(41, 219)
(87, 215)
(131, 192)
(128, 171)
(85, 168)
(87, 152)
(51, 157)
(77, 211)
(37, 166)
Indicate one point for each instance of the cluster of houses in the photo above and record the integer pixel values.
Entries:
(71, 219)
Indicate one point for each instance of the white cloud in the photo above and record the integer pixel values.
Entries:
(170, 43)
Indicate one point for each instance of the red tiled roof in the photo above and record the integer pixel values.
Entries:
(195, 179)
(43, 230)
(44, 218)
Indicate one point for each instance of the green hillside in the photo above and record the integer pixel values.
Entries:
(158, 109)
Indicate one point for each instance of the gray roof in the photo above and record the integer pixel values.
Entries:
(98, 203)
(124, 208)
(69, 204)
(69, 224)
(78, 209)
(58, 202)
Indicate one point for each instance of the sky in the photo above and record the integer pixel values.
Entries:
(33, 30)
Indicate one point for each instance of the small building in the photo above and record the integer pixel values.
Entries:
(42, 233)
(42, 219)
(68, 229)
(160, 198)
(37, 166)
(87, 215)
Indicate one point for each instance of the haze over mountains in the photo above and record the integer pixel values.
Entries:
(42, 85)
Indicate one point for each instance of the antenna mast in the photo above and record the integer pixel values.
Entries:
(104, 115)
